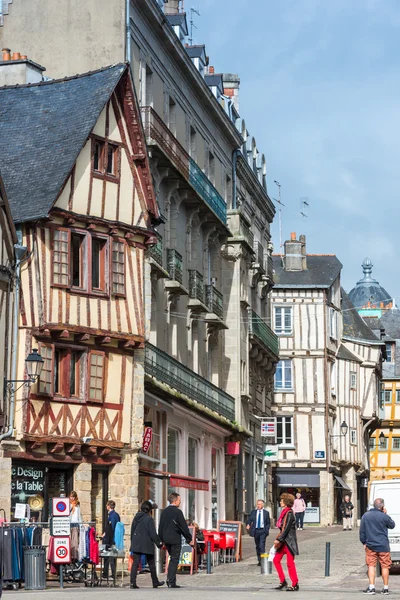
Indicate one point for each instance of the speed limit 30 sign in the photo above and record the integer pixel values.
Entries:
(61, 550)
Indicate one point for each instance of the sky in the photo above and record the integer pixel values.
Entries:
(320, 89)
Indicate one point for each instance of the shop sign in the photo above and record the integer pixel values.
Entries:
(268, 427)
(60, 507)
(312, 514)
(319, 454)
(61, 550)
(189, 484)
(27, 483)
(271, 453)
(147, 437)
(60, 526)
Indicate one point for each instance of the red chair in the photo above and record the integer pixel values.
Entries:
(230, 547)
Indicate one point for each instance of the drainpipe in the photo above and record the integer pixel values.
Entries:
(365, 453)
(234, 186)
(327, 389)
(128, 32)
(20, 252)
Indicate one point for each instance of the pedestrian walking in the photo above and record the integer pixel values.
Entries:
(258, 525)
(109, 538)
(171, 529)
(346, 508)
(143, 538)
(286, 544)
(299, 509)
(374, 535)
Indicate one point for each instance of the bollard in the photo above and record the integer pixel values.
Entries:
(208, 558)
(266, 565)
(327, 559)
(61, 576)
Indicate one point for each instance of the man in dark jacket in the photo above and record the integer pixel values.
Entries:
(374, 535)
(258, 525)
(171, 529)
(109, 538)
(143, 538)
(346, 508)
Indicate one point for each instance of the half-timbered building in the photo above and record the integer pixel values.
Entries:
(75, 169)
(326, 384)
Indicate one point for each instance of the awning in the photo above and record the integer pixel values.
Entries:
(179, 481)
(342, 484)
(297, 478)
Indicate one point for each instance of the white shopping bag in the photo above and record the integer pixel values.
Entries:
(272, 553)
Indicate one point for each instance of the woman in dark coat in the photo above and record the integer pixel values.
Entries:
(286, 544)
(143, 538)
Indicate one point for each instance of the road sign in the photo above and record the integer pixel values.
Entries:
(319, 454)
(268, 427)
(60, 526)
(61, 550)
(271, 453)
(60, 507)
(147, 437)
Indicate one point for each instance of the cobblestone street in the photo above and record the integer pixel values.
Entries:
(233, 581)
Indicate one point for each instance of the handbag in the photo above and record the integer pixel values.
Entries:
(130, 562)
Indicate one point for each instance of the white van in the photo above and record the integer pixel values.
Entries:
(389, 490)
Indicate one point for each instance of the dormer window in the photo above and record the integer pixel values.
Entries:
(105, 158)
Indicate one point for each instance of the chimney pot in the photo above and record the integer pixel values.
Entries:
(24, 57)
(211, 70)
(16, 56)
(293, 235)
(6, 53)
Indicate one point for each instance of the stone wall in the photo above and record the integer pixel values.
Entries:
(5, 484)
(83, 487)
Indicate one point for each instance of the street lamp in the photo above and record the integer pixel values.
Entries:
(343, 430)
(34, 364)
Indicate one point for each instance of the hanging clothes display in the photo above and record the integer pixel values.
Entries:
(119, 535)
(13, 539)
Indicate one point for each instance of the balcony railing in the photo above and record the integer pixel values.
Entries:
(270, 267)
(259, 252)
(157, 132)
(247, 233)
(259, 329)
(156, 251)
(196, 285)
(167, 370)
(215, 301)
(174, 260)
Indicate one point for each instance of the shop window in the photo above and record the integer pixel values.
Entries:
(283, 375)
(283, 320)
(64, 372)
(353, 380)
(372, 443)
(192, 457)
(383, 443)
(73, 251)
(353, 437)
(284, 429)
(396, 444)
(214, 486)
(172, 454)
(105, 158)
(389, 351)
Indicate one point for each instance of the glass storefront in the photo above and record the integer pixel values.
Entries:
(192, 447)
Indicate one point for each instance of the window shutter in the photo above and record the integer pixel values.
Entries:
(61, 257)
(46, 381)
(96, 376)
(118, 268)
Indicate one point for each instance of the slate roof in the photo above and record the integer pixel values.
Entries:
(354, 326)
(368, 289)
(43, 128)
(178, 20)
(345, 354)
(214, 80)
(321, 272)
(195, 51)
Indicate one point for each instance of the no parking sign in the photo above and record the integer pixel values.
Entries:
(60, 507)
(62, 550)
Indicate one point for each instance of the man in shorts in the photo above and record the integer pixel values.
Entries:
(374, 535)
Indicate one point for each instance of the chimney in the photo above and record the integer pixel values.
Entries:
(211, 70)
(16, 68)
(295, 253)
(172, 7)
(231, 87)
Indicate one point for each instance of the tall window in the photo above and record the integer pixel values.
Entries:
(149, 87)
(353, 380)
(211, 167)
(228, 192)
(96, 376)
(105, 158)
(172, 454)
(353, 437)
(396, 444)
(61, 241)
(172, 116)
(118, 268)
(88, 249)
(192, 446)
(283, 320)
(333, 323)
(283, 375)
(284, 429)
(193, 143)
(389, 353)
(398, 396)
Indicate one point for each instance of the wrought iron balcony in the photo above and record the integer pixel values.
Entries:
(157, 132)
(246, 232)
(196, 285)
(174, 260)
(156, 251)
(167, 370)
(264, 334)
(270, 267)
(215, 301)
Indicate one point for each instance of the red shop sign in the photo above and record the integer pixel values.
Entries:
(147, 437)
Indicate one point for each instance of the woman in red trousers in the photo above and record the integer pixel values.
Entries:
(286, 544)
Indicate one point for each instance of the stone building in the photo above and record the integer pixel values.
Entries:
(211, 354)
(326, 384)
(74, 165)
(378, 310)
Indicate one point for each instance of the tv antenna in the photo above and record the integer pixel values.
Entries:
(303, 204)
(279, 201)
(193, 12)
